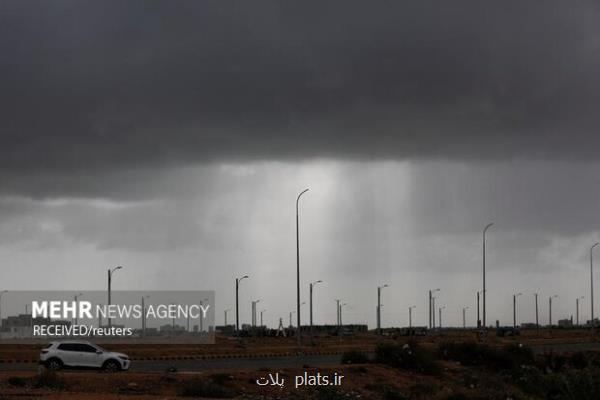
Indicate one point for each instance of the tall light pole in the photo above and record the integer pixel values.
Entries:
(431, 308)
(254, 303)
(312, 285)
(515, 309)
(298, 266)
(577, 309)
(341, 309)
(464, 310)
(484, 231)
(440, 319)
(144, 316)
(237, 302)
(201, 322)
(76, 297)
(379, 288)
(410, 316)
(110, 273)
(261, 317)
(550, 309)
(337, 309)
(1, 293)
(478, 314)
(537, 320)
(592, 282)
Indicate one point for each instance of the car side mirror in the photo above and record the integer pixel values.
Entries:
(98, 351)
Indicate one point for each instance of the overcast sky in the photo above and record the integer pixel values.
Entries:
(173, 138)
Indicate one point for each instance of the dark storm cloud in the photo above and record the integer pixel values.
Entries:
(94, 87)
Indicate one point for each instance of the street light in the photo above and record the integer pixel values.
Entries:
(464, 317)
(550, 309)
(379, 289)
(298, 265)
(225, 312)
(410, 316)
(577, 308)
(431, 308)
(341, 307)
(537, 320)
(312, 285)
(337, 310)
(144, 316)
(478, 315)
(515, 309)
(261, 317)
(76, 297)
(237, 302)
(110, 273)
(592, 281)
(484, 231)
(1, 293)
(254, 303)
(440, 319)
(201, 322)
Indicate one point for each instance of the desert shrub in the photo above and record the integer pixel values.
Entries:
(327, 393)
(205, 388)
(17, 381)
(354, 357)
(410, 357)
(554, 362)
(221, 378)
(391, 393)
(574, 385)
(473, 354)
(578, 360)
(50, 380)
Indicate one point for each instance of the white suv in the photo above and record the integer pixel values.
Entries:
(80, 354)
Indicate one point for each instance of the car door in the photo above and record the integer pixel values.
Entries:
(88, 356)
(67, 353)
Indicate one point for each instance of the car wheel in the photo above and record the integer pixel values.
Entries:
(54, 364)
(111, 366)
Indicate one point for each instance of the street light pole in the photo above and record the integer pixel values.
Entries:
(577, 308)
(75, 298)
(410, 316)
(237, 302)
(337, 310)
(484, 231)
(464, 317)
(261, 317)
(341, 308)
(225, 312)
(440, 319)
(432, 309)
(379, 288)
(1, 293)
(110, 273)
(312, 285)
(298, 266)
(515, 309)
(550, 309)
(592, 282)
(537, 320)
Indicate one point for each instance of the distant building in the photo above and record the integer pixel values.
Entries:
(565, 323)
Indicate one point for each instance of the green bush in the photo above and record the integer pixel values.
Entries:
(202, 388)
(354, 357)
(574, 385)
(409, 356)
